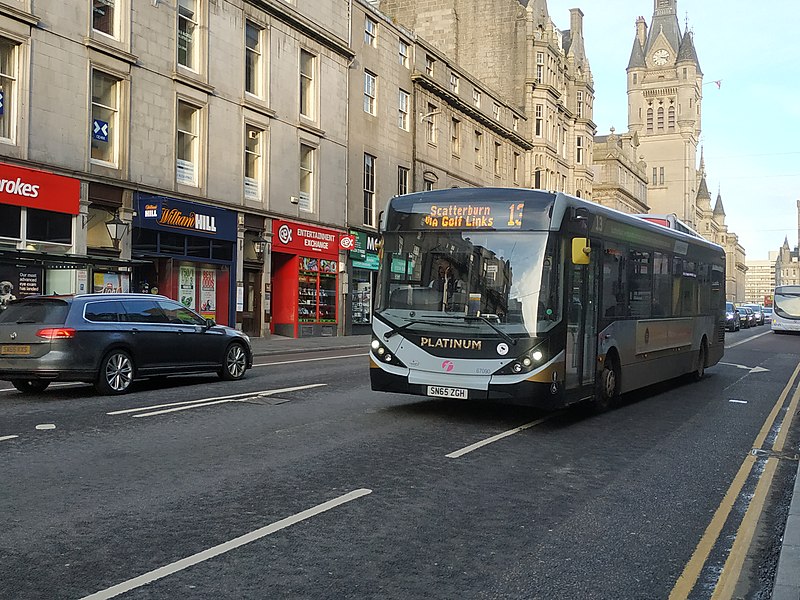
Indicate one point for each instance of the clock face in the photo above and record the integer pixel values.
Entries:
(660, 57)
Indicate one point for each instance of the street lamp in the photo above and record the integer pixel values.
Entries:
(260, 245)
(116, 229)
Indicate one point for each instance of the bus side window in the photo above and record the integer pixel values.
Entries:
(614, 281)
(662, 285)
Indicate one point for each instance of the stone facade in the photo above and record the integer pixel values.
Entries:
(760, 281)
(620, 175)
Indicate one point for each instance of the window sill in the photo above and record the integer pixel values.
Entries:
(20, 15)
(182, 76)
(112, 49)
(258, 105)
(313, 129)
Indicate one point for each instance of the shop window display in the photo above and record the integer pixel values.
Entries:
(317, 290)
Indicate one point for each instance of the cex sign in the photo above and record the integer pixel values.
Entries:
(38, 189)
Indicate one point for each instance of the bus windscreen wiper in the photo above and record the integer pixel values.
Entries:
(398, 328)
(502, 333)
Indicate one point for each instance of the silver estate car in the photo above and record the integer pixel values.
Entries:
(110, 340)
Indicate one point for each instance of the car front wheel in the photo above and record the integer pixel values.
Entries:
(116, 373)
(30, 386)
(235, 363)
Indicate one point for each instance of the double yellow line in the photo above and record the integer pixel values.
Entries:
(733, 565)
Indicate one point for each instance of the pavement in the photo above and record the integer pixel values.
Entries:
(787, 579)
(277, 344)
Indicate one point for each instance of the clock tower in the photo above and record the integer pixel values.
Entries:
(664, 99)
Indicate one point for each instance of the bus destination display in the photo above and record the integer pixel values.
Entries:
(489, 215)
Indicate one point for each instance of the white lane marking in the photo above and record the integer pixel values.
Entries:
(45, 426)
(8, 437)
(499, 436)
(52, 385)
(748, 339)
(194, 559)
(746, 368)
(240, 398)
(738, 401)
(302, 360)
(143, 408)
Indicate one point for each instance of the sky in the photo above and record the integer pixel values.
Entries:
(751, 122)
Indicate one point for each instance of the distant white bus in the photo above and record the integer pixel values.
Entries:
(786, 308)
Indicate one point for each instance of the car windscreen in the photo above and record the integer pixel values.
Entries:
(44, 311)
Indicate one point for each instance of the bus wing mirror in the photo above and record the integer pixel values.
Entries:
(580, 251)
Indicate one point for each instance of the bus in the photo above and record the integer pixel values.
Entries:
(786, 308)
(538, 298)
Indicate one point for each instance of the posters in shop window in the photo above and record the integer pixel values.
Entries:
(111, 283)
(18, 283)
(187, 287)
(208, 293)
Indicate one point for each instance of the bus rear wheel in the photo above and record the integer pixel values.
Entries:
(700, 370)
(608, 384)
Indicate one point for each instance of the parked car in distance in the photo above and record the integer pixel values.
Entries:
(744, 318)
(767, 314)
(111, 340)
(751, 316)
(756, 308)
(732, 317)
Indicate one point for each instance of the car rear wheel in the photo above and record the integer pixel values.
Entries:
(116, 373)
(30, 386)
(235, 363)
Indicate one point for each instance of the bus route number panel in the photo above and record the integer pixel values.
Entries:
(482, 215)
(447, 392)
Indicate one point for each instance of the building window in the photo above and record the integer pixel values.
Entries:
(105, 108)
(307, 164)
(455, 136)
(478, 147)
(8, 88)
(370, 31)
(580, 105)
(537, 179)
(649, 120)
(430, 124)
(685, 73)
(497, 158)
(454, 83)
(661, 175)
(515, 167)
(635, 78)
(253, 59)
(655, 175)
(671, 118)
(370, 83)
(188, 150)
(402, 180)
(539, 67)
(579, 149)
(307, 91)
(428, 185)
(476, 98)
(515, 123)
(660, 118)
(369, 190)
(429, 61)
(187, 32)
(403, 100)
(104, 17)
(253, 151)
(403, 54)
(539, 120)
(496, 111)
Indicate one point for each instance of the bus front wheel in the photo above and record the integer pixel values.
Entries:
(608, 385)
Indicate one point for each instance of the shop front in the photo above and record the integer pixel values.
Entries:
(39, 228)
(363, 272)
(191, 250)
(305, 279)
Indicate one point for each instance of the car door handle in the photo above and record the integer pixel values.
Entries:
(134, 331)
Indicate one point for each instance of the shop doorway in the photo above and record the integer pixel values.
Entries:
(251, 311)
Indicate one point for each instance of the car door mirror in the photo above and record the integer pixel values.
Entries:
(210, 323)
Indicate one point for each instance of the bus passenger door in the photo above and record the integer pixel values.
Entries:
(581, 352)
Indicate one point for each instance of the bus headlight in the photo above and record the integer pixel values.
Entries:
(524, 363)
(384, 355)
(537, 355)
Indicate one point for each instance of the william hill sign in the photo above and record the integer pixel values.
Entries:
(167, 213)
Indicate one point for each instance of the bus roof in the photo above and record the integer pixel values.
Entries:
(543, 211)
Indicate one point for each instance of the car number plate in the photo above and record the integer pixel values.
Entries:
(447, 392)
(15, 349)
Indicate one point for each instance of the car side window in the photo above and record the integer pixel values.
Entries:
(177, 313)
(103, 312)
(143, 311)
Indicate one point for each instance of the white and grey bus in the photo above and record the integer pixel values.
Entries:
(786, 308)
(538, 297)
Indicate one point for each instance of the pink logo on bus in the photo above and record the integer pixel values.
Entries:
(448, 365)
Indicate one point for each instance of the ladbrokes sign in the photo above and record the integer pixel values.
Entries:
(38, 189)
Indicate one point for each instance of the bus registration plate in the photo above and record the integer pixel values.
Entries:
(447, 392)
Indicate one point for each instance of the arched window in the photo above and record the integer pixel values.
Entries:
(649, 120)
(671, 118)
(661, 118)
